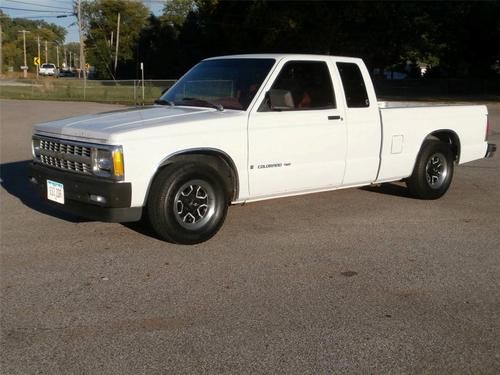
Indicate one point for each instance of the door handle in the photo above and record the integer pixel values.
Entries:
(335, 118)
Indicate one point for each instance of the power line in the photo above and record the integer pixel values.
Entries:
(34, 10)
(43, 6)
(36, 17)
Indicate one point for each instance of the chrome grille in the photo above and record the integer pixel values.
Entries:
(65, 164)
(67, 148)
(65, 155)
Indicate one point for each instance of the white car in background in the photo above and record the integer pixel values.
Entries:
(48, 70)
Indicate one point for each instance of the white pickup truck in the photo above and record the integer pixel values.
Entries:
(236, 129)
(48, 70)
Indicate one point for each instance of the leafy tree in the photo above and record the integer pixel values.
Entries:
(461, 37)
(176, 11)
(158, 49)
(100, 18)
(74, 49)
(466, 37)
(12, 46)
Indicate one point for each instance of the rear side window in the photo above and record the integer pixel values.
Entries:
(307, 84)
(354, 85)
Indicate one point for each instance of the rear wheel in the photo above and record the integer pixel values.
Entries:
(187, 203)
(433, 171)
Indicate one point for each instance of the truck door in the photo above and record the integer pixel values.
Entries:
(364, 131)
(296, 132)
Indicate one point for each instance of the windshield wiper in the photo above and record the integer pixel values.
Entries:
(164, 102)
(218, 107)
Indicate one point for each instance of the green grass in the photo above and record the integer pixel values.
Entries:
(73, 90)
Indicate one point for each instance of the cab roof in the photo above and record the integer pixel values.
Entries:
(290, 56)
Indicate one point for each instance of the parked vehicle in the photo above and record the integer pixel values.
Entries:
(48, 70)
(66, 73)
(244, 128)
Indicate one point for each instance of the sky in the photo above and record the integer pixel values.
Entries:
(48, 10)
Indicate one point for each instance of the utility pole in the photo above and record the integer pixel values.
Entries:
(25, 66)
(1, 48)
(142, 74)
(57, 54)
(82, 54)
(38, 66)
(46, 50)
(117, 41)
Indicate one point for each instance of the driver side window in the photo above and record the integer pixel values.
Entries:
(301, 85)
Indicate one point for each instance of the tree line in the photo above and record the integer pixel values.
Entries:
(12, 41)
(454, 39)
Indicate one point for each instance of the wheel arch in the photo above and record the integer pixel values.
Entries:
(447, 136)
(216, 158)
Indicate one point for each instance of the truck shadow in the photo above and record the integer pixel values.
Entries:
(142, 227)
(389, 188)
(14, 179)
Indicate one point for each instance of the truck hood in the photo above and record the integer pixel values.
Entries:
(99, 127)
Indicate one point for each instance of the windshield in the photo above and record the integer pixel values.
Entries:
(230, 83)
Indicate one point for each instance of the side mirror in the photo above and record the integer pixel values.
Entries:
(280, 100)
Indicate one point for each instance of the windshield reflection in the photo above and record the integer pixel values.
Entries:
(220, 83)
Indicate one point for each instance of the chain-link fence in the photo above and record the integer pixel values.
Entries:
(131, 91)
(123, 91)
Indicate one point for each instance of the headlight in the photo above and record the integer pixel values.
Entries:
(108, 162)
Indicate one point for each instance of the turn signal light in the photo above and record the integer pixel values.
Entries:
(117, 163)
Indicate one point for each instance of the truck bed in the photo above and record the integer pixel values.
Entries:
(405, 125)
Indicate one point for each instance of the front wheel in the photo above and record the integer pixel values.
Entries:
(433, 171)
(187, 203)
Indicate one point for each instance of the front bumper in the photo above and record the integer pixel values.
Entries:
(78, 189)
(490, 152)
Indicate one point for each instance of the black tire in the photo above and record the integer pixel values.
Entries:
(187, 203)
(433, 171)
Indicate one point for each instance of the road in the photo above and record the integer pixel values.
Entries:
(353, 281)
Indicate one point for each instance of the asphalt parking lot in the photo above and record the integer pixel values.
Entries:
(364, 281)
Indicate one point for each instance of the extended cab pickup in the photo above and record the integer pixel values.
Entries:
(244, 128)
